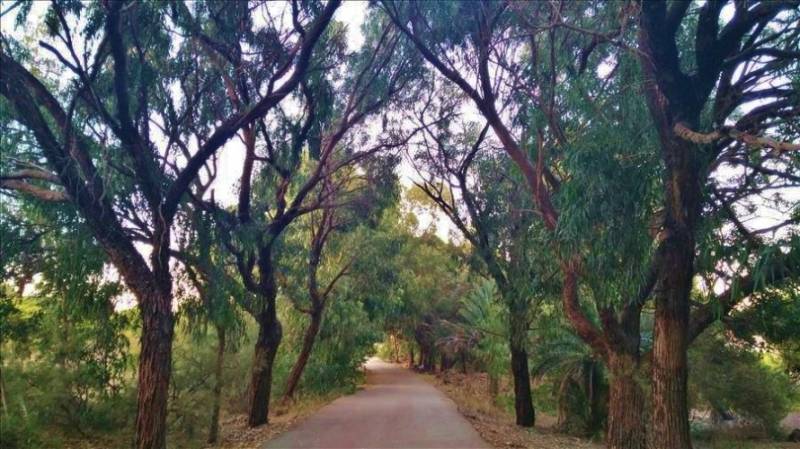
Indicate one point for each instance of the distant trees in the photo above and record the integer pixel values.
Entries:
(470, 183)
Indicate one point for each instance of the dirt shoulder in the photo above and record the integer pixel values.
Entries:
(235, 434)
(470, 393)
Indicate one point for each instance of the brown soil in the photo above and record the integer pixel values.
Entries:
(496, 426)
(235, 434)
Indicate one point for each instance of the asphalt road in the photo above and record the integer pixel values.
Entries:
(396, 409)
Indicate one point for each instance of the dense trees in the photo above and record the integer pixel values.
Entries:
(137, 189)
(619, 178)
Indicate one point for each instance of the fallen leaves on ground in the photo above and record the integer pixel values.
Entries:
(470, 393)
(235, 434)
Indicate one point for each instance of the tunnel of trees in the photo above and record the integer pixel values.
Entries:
(216, 210)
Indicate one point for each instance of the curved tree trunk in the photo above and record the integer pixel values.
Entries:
(155, 362)
(213, 430)
(302, 359)
(269, 338)
(626, 405)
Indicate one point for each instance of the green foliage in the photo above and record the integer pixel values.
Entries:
(482, 314)
(346, 339)
(730, 377)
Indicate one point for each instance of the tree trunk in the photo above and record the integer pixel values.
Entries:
(683, 162)
(518, 335)
(213, 430)
(3, 395)
(597, 391)
(670, 420)
(626, 405)
(523, 404)
(494, 385)
(302, 359)
(269, 337)
(410, 355)
(670, 409)
(444, 363)
(155, 363)
(429, 365)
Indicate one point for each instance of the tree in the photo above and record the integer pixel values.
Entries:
(474, 188)
(96, 138)
(481, 56)
(352, 206)
(302, 150)
(734, 64)
(216, 302)
(487, 67)
(64, 347)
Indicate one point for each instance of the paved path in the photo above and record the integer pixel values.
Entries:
(396, 409)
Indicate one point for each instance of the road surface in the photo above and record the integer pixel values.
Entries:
(396, 409)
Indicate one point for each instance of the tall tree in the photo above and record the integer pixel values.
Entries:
(470, 183)
(96, 137)
(358, 196)
(491, 60)
(302, 149)
(724, 69)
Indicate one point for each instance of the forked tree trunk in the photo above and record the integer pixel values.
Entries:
(269, 338)
(305, 353)
(213, 430)
(626, 405)
(155, 362)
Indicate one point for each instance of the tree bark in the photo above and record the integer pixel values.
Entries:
(269, 338)
(494, 385)
(523, 404)
(672, 98)
(302, 359)
(670, 420)
(155, 362)
(213, 430)
(518, 334)
(626, 405)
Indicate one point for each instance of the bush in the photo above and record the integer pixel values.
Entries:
(730, 377)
